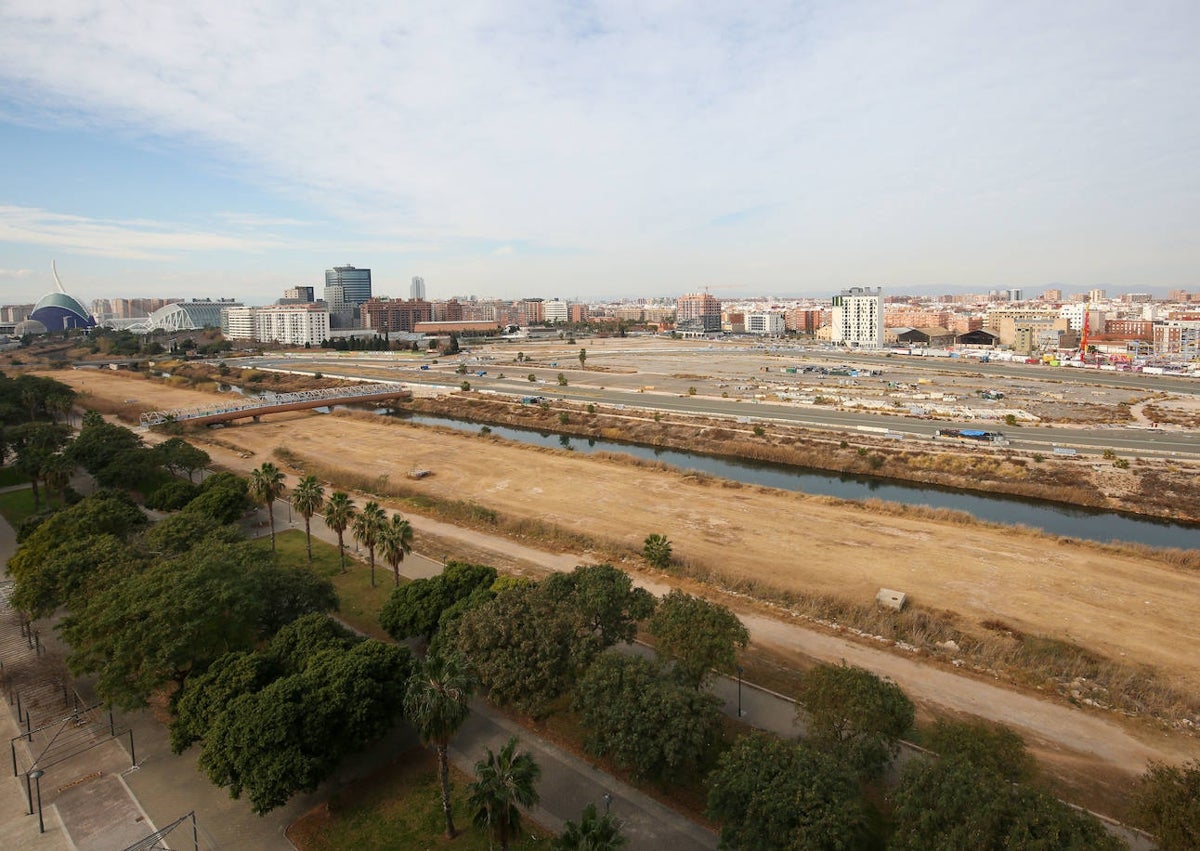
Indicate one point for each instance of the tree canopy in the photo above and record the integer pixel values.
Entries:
(180, 614)
(778, 794)
(606, 598)
(949, 803)
(224, 497)
(1167, 803)
(854, 715)
(635, 713)
(277, 721)
(697, 635)
(417, 607)
(74, 547)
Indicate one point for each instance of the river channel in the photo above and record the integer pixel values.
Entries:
(1055, 518)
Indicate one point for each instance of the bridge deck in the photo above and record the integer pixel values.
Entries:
(229, 409)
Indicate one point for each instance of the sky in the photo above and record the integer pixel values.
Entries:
(598, 150)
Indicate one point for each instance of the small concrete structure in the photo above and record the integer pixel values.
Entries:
(890, 599)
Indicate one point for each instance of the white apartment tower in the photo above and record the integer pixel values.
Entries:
(858, 317)
(417, 291)
(556, 311)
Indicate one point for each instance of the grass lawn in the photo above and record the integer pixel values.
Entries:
(359, 603)
(10, 476)
(399, 807)
(18, 505)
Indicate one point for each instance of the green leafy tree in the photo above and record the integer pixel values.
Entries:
(224, 497)
(180, 457)
(949, 803)
(418, 607)
(1167, 803)
(852, 713)
(656, 550)
(992, 747)
(636, 714)
(175, 618)
(593, 832)
(36, 445)
(186, 530)
(395, 541)
(698, 636)
(75, 565)
(98, 447)
(436, 704)
(772, 793)
(503, 782)
(339, 514)
(172, 495)
(266, 486)
(582, 358)
(606, 598)
(307, 498)
(205, 696)
(290, 736)
(85, 544)
(527, 647)
(367, 527)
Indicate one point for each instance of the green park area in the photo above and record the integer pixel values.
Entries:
(15, 506)
(400, 807)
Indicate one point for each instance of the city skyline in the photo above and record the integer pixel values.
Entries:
(594, 152)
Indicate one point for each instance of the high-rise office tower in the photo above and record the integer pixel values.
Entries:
(355, 283)
(417, 293)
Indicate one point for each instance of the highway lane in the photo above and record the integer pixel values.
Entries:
(1122, 439)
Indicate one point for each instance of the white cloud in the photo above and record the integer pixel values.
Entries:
(134, 240)
(14, 274)
(620, 127)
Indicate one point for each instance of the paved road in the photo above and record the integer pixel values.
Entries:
(622, 390)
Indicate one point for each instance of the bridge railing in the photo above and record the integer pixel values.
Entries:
(230, 406)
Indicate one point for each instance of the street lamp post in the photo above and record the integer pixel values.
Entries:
(36, 775)
(739, 673)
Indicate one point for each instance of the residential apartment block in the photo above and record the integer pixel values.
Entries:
(857, 317)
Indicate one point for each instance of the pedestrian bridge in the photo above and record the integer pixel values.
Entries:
(276, 403)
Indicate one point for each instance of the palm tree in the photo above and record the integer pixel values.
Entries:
(57, 474)
(657, 551)
(340, 513)
(366, 529)
(436, 704)
(503, 782)
(266, 486)
(395, 542)
(307, 499)
(593, 833)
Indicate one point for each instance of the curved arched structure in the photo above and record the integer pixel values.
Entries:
(59, 311)
(187, 316)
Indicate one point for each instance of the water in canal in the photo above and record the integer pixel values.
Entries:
(1055, 518)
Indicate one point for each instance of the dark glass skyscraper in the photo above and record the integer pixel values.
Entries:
(355, 283)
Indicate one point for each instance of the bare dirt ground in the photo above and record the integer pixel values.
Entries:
(1122, 606)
